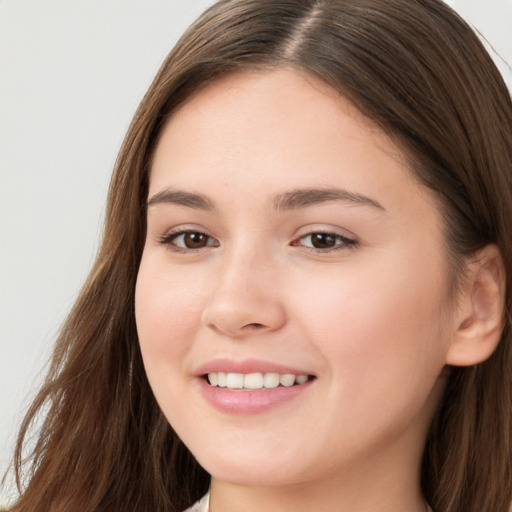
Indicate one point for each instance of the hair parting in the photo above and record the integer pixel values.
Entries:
(418, 71)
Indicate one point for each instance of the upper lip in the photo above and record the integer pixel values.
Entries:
(247, 366)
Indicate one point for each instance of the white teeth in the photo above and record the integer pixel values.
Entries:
(254, 380)
(287, 380)
(234, 380)
(301, 379)
(271, 380)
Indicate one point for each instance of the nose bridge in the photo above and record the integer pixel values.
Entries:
(245, 298)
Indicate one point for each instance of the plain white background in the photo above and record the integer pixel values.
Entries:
(71, 76)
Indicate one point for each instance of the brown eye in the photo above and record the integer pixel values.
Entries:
(195, 240)
(188, 240)
(323, 240)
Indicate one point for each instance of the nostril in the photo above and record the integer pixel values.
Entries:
(253, 326)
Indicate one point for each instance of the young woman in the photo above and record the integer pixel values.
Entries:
(302, 300)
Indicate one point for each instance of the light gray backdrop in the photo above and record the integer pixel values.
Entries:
(71, 76)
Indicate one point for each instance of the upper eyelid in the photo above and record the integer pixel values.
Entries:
(329, 230)
(185, 228)
(167, 239)
(183, 231)
(302, 232)
(330, 233)
(348, 240)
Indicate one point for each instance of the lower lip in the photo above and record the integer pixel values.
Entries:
(250, 402)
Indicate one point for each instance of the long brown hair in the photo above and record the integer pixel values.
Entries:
(416, 69)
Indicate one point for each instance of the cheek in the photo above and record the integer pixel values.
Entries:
(377, 322)
(382, 351)
(167, 312)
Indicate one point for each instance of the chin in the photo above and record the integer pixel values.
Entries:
(246, 472)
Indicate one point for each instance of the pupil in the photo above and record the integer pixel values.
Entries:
(323, 240)
(195, 240)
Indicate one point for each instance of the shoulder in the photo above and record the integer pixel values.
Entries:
(200, 506)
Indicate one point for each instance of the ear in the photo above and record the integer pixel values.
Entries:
(480, 313)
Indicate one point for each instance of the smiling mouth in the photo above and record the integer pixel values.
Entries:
(255, 381)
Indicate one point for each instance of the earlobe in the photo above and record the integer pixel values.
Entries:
(479, 322)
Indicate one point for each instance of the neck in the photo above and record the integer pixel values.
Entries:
(385, 476)
(384, 487)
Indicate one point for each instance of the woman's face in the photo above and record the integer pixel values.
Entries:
(287, 236)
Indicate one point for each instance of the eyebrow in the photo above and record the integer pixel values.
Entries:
(292, 200)
(302, 198)
(182, 198)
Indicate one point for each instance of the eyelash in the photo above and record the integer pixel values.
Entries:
(169, 238)
(343, 243)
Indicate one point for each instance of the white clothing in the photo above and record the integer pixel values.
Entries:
(202, 505)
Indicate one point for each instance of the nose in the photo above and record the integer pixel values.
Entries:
(246, 298)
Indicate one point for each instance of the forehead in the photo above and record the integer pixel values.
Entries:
(270, 98)
(275, 126)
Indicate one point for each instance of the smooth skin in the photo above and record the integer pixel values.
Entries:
(242, 261)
